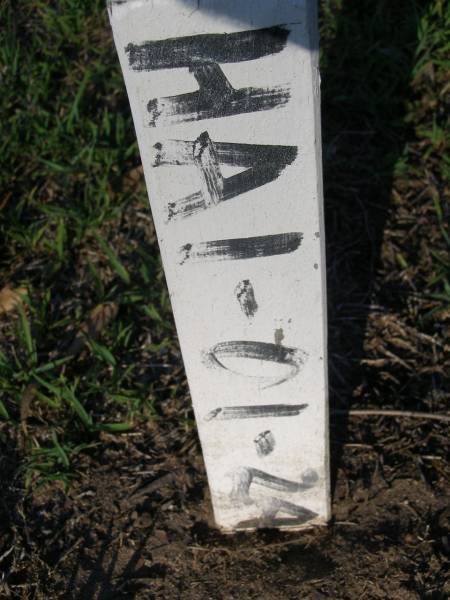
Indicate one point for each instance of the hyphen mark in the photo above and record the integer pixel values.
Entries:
(262, 163)
(241, 248)
(292, 358)
(260, 411)
(245, 295)
(181, 52)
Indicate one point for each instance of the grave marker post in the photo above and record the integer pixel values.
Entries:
(225, 102)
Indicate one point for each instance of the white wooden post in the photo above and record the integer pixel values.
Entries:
(225, 101)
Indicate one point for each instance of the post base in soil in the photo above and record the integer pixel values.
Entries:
(225, 101)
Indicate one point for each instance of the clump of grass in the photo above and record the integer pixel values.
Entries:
(427, 158)
(69, 179)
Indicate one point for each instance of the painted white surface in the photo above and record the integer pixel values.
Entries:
(289, 288)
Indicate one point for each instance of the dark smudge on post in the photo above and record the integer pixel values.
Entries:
(265, 443)
(245, 295)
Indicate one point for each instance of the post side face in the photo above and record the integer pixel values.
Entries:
(225, 100)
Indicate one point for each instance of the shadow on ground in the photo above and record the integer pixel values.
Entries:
(366, 76)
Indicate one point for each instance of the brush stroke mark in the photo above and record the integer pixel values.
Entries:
(265, 522)
(265, 443)
(263, 164)
(244, 477)
(241, 248)
(245, 295)
(255, 412)
(215, 98)
(208, 163)
(293, 358)
(181, 52)
(270, 507)
(279, 523)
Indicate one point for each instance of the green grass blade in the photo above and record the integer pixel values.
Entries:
(73, 114)
(52, 388)
(152, 312)
(114, 261)
(99, 287)
(26, 333)
(3, 412)
(52, 364)
(64, 459)
(51, 403)
(78, 408)
(60, 239)
(103, 353)
(114, 427)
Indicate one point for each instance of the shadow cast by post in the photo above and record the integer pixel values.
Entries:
(366, 72)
